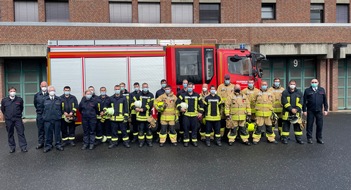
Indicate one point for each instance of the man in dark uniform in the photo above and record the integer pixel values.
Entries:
(179, 93)
(12, 108)
(103, 127)
(315, 99)
(52, 114)
(38, 101)
(69, 108)
(159, 92)
(162, 89)
(133, 112)
(126, 94)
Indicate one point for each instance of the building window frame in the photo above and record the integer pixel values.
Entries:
(127, 5)
(57, 19)
(317, 13)
(215, 18)
(339, 16)
(30, 15)
(268, 11)
(157, 14)
(191, 20)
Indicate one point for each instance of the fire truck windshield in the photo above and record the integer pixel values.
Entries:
(241, 66)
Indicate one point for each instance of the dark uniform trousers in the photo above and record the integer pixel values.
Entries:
(119, 126)
(190, 124)
(103, 128)
(319, 123)
(41, 131)
(17, 123)
(134, 124)
(70, 134)
(52, 126)
(144, 128)
(215, 125)
(89, 125)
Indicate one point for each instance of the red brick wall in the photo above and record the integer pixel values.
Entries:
(166, 11)
(89, 11)
(135, 11)
(41, 10)
(7, 10)
(330, 11)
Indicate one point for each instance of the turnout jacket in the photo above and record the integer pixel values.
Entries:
(147, 101)
(212, 105)
(102, 103)
(291, 100)
(12, 108)
(195, 104)
(120, 106)
(170, 111)
(69, 104)
(131, 100)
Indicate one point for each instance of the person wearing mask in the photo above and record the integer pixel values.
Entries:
(212, 114)
(134, 122)
(52, 114)
(224, 91)
(88, 108)
(181, 128)
(103, 127)
(315, 105)
(264, 108)
(292, 99)
(12, 108)
(92, 90)
(237, 109)
(191, 115)
(166, 105)
(143, 113)
(69, 108)
(119, 119)
(162, 89)
(126, 94)
(251, 93)
(204, 93)
(277, 91)
(38, 101)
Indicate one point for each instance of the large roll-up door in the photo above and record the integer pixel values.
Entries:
(106, 72)
(344, 84)
(67, 72)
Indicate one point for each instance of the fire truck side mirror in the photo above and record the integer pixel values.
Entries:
(260, 73)
(235, 58)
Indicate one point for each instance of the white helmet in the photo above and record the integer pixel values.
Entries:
(138, 104)
(184, 105)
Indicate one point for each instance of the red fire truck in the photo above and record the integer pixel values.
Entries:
(81, 66)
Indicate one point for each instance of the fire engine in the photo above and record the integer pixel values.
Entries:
(80, 64)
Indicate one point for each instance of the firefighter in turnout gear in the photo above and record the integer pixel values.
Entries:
(103, 128)
(277, 91)
(224, 91)
(166, 105)
(292, 99)
(191, 114)
(119, 119)
(134, 122)
(181, 128)
(126, 94)
(212, 104)
(237, 109)
(264, 109)
(251, 93)
(69, 108)
(204, 93)
(143, 113)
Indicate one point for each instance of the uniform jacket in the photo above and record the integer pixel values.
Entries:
(69, 104)
(88, 108)
(12, 108)
(131, 99)
(38, 101)
(292, 100)
(120, 106)
(212, 106)
(147, 100)
(277, 92)
(195, 104)
(238, 106)
(264, 103)
(170, 111)
(315, 100)
(159, 92)
(251, 94)
(52, 109)
(225, 91)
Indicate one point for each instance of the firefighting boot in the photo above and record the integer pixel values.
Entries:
(299, 140)
(135, 138)
(126, 144)
(112, 144)
(285, 140)
(149, 143)
(218, 141)
(208, 141)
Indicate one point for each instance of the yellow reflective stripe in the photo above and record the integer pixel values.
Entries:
(135, 134)
(285, 133)
(64, 139)
(63, 105)
(125, 138)
(298, 133)
(238, 117)
(207, 135)
(119, 132)
(287, 105)
(186, 140)
(149, 137)
(285, 116)
(217, 135)
(194, 140)
(99, 107)
(141, 137)
(98, 137)
(264, 105)
(264, 113)
(71, 138)
(238, 109)
(277, 110)
(114, 139)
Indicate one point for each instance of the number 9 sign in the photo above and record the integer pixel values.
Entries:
(296, 63)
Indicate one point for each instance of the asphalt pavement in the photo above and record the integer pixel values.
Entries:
(263, 166)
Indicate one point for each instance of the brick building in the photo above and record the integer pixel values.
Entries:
(302, 39)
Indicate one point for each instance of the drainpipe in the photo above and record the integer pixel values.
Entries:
(327, 87)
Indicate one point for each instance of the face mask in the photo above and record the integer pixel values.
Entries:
(88, 96)
(52, 93)
(122, 88)
(314, 85)
(237, 90)
(190, 89)
(163, 85)
(117, 91)
(66, 92)
(292, 86)
(250, 86)
(185, 85)
(213, 91)
(136, 89)
(44, 89)
(168, 91)
(204, 89)
(145, 90)
(102, 93)
(227, 82)
(12, 94)
(264, 87)
(276, 84)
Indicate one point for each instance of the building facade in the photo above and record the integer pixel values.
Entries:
(302, 39)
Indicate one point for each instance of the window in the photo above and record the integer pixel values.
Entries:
(149, 12)
(342, 13)
(317, 13)
(56, 11)
(189, 63)
(121, 12)
(268, 11)
(209, 13)
(209, 64)
(182, 13)
(242, 66)
(26, 11)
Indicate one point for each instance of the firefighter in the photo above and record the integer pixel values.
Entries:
(119, 119)
(204, 93)
(166, 105)
(38, 101)
(103, 127)
(181, 128)
(277, 91)
(264, 109)
(212, 105)
(92, 90)
(224, 90)
(52, 114)
(12, 108)
(237, 109)
(161, 91)
(143, 113)
(69, 109)
(134, 122)
(292, 102)
(88, 108)
(191, 115)
(126, 94)
(251, 93)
